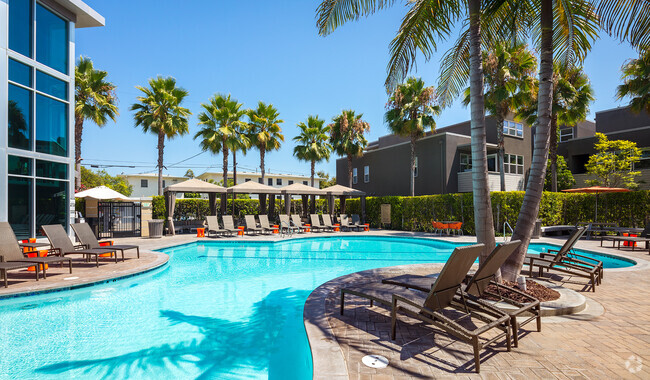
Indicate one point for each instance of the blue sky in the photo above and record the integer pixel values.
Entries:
(260, 50)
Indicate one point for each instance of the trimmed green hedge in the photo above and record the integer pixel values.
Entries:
(631, 209)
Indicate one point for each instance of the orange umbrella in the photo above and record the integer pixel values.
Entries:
(597, 190)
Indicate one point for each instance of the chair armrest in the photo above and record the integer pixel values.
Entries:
(81, 246)
(596, 261)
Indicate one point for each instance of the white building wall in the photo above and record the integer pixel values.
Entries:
(514, 182)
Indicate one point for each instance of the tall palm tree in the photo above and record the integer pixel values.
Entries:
(411, 109)
(312, 143)
(220, 120)
(159, 111)
(572, 95)
(346, 137)
(95, 100)
(265, 132)
(636, 83)
(240, 142)
(509, 70)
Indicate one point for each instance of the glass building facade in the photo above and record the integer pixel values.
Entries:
(36, 127)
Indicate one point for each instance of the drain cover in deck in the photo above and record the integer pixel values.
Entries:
(375, 361)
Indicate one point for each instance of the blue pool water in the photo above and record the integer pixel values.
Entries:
(220, 309)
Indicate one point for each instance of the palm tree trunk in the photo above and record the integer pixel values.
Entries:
(161, 149)
(532, 198)
(234, 167)
(349, 170)
(482, 203)
(78, 132)
(553, 153)
(262, 154)
(501, 146)
(412, 192)
(224, 199)
(313, 172)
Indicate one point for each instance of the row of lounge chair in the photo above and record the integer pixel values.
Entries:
(287, 224)
(13, 257)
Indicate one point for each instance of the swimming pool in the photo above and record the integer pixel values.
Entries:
(222, 309)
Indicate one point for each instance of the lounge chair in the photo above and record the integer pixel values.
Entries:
(315, 223)
(229, 224)
(87, 237)
(644, 237)
(327, 222)
(356, 222)
(60, 242)
(264, 223)
(295, 219)
(347, 223)
(477, 286)
(444, 296)
(285, 224)
(213, 228)
(251, 225)
(565, 261)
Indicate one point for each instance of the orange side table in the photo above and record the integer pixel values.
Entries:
(337, 227)
(366, 227)
(276, 229)
(106, 243)
(307, 227)
(200, 232)
(42, 253)
(241, 230)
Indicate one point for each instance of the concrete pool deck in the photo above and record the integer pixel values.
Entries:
(597, 346)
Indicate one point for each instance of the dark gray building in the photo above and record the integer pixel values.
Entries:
(443, 161)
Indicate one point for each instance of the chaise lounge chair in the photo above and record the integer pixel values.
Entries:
(60, 242)
(356, 222)
(315, 223)
(444, 296)
(295, 219)
(477, 286)
(213, 228)
(264, 223)
(251, 225)
(229, 224)
(327, 222)
(347, 223)
(87, 238)
(567, 262)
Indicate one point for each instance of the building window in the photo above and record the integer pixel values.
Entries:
(20, 118)
(290, 182)
(512, 128)
(19, 201)
(466, 162)
(513, 164)
(278, 181)
(566, 134)
(51, 39)
(51, 126)
(247, 179)
(354, 176)
(51, 203)
(644, 162)
(20, 27)
(305, 183)
(259, 180)
(270, 181)
(144, 183)
(164, 184)
(366, 174)
(415, 170)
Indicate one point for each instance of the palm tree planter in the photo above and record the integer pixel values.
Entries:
(347, 137)
(159, 111)
(95, 100)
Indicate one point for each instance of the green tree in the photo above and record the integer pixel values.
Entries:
(564, 176)
(636, 83)
(326, 180)
(241, 142)
(572, 95)
(312, 144)
(613, 163)
(510, 83)
(411, 110)
(95, 100)
(90, 179)
(347, 137)
(159, 111)
(189, 174)
(265, 133)
(221, 120)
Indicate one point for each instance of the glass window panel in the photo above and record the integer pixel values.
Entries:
(20, 165)
(51, 39)
(51, 169)
(20, 26)
(19, 204)
(520, 170)
(520, 160)
(20, 117)
(51, 85)
(20, 73)
(270, 181)
(492, 163)
(51, 126)
(51, 203)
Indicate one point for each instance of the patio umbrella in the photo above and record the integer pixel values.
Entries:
(101, 193)
(597, 190)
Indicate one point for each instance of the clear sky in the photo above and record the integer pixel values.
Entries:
(260, 50)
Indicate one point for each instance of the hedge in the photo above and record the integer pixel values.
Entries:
(631, 209)
(194, 208)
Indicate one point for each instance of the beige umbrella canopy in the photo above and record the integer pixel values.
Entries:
(343, 192)
(304, 191)
(190, 186)
(102, 193)
(252, 187)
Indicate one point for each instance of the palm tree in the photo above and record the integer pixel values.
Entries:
(636, 83)
(221, 118)
(265, 132)
(346, 137)
(240, 142)
(159, 111)
(572, 95)
(509, 72)
(312, 143)
(95, 100)
(411, 109)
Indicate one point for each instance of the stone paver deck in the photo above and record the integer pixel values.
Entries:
(591, 347)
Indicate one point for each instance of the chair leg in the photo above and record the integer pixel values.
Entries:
(515, 330)
(393, 320)
(97, 261)
(539, 318)
(342, 301)
(36, 271)
(44, 272)
(69, 264)
(4, 276)
(138, 250)
(477, 357)
(508, 341)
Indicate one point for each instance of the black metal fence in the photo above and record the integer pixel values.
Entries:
(118, 219)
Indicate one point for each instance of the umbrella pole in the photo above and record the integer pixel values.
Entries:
(596, 219)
